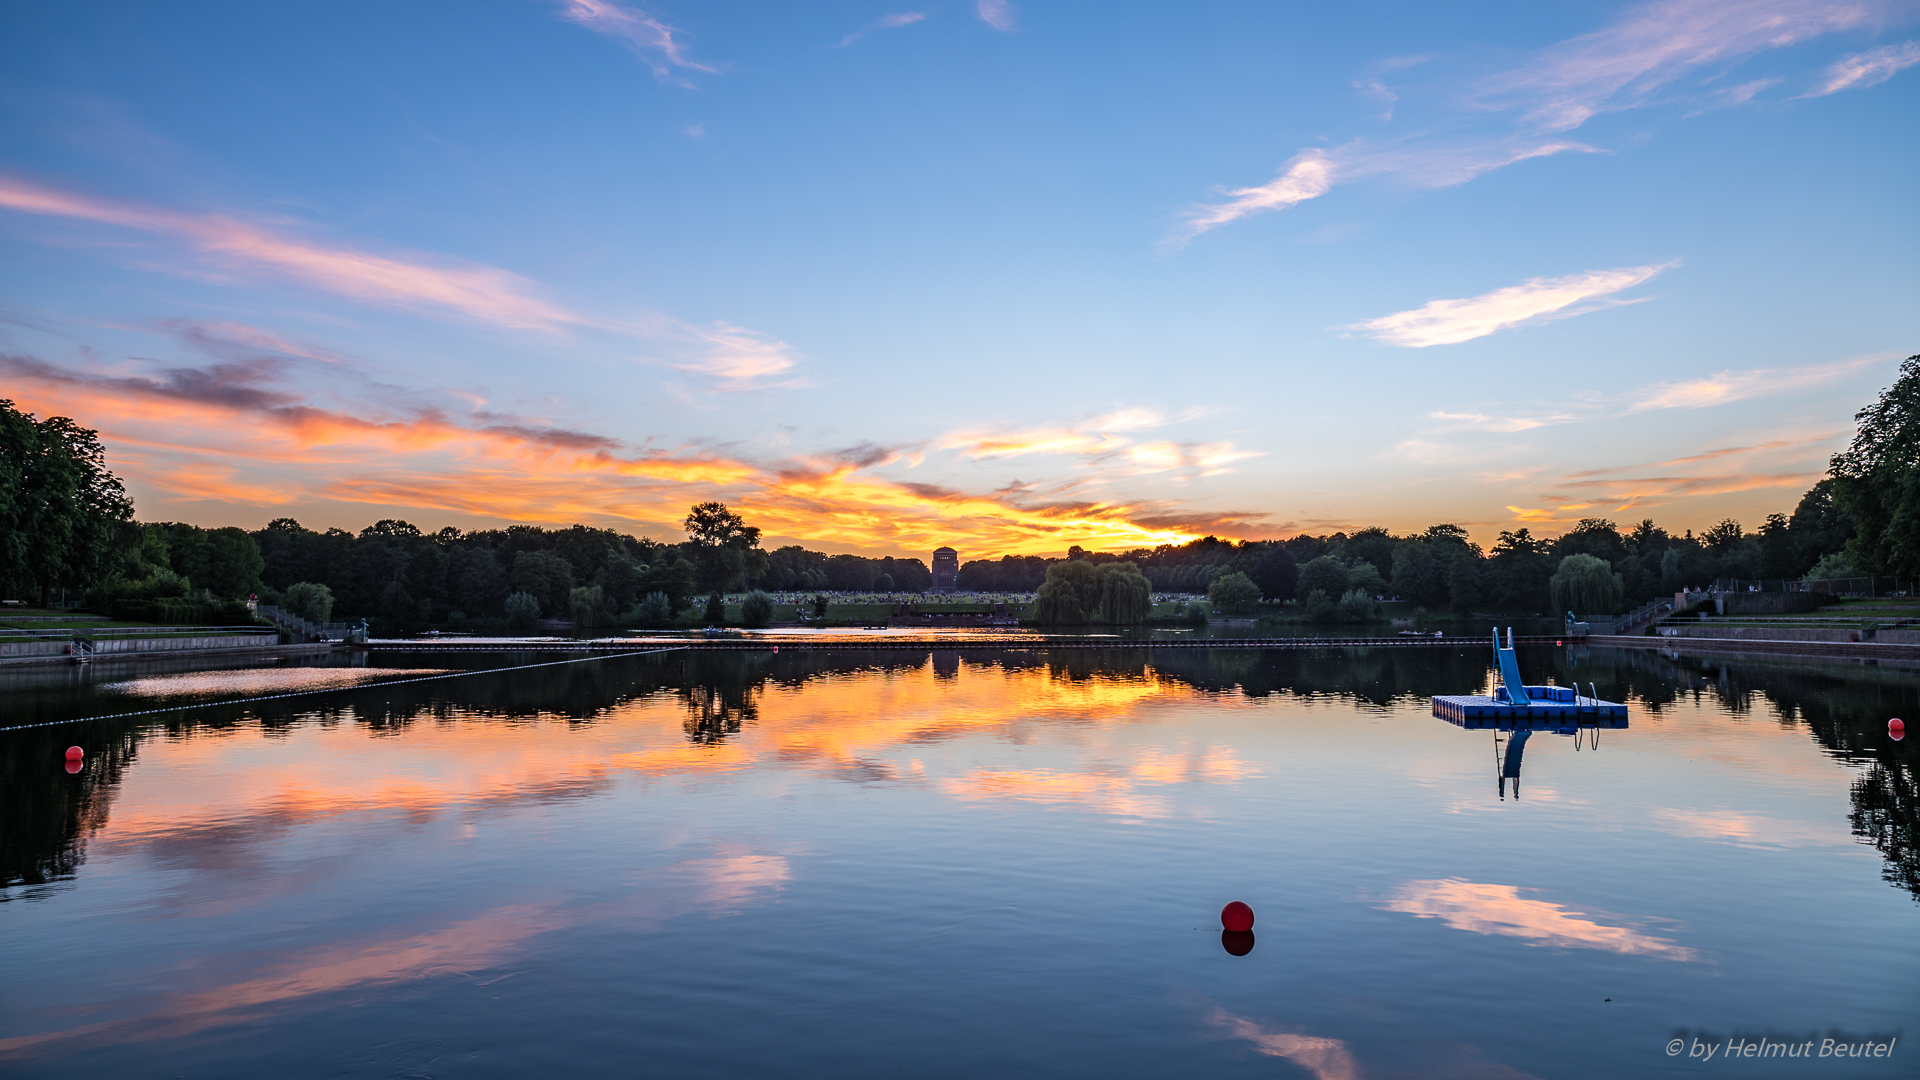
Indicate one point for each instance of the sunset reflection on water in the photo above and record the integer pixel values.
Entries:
(895, 861)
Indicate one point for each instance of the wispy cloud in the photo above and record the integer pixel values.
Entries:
(1868, 68)
(640, 33)
(1104, 442)
(1634, 61)
(890, 22)
(1308, 176)
(742, 359)
(1449, 322)
(481, 292)
(1512, 116)
(1730, 386)
(735, 358)
(1790, 463)
(998, 14)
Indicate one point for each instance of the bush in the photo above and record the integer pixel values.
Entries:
(716, 610)
(1357, 606)
(1233, 592)
(178, 611)
(1318, 607)
(522, 609)
(1194, 614)
(1836, 565)
(655, 610)
(757, 609)
(310, 601)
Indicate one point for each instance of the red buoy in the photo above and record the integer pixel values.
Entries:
(1897, 728)
(74, 753)
(1237, 917)
(1559, 643)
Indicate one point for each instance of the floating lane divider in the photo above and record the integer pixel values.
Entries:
(339, 689)
(1002, 644)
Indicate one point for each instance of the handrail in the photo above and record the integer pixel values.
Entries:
(131, 631)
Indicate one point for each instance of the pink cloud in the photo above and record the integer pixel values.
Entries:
(643, 35)
(1629, 64)
(995, 13)
(1869, 68)
(482, 292)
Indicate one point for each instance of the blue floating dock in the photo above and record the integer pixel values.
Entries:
(1517, 705)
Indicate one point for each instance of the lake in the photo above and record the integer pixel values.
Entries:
(958, 864)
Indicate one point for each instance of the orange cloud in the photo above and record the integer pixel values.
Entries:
(237, 433)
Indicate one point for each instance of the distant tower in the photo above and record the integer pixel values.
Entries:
(946, 569)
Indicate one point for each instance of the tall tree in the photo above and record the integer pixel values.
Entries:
(61, 510)
(726, 549)
(1877, 479)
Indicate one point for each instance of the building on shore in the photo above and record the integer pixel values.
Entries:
(946, 569)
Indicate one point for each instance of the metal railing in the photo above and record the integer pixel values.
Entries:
(1622, 624)
(302, 628)
(102, 633)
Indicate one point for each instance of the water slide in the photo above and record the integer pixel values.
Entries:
(1510, 670)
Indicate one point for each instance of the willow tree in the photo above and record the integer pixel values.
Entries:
(1126, 596)
(1586, 586)
(1069, 596)
(1078, 591)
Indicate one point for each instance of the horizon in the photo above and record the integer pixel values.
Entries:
(1006, 277)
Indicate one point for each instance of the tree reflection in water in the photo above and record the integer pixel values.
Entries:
(49, 815)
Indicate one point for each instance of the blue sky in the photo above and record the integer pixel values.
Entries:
(1013, 276)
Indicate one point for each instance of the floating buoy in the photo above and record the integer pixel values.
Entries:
(1897, 728)
(1237, 917)
(1236, 942)
(776, 648)
(1559, 643)
(74, 753)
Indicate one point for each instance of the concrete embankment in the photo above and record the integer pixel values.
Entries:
(60, 651)
(1799, 646)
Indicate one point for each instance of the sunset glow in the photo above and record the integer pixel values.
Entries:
(592, 261)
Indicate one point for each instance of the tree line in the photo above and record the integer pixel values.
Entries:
(66, 521)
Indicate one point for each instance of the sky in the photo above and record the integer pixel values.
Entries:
(1009, 275)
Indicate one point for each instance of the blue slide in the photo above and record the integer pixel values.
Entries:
(1510, 670)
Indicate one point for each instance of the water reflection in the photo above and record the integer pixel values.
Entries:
(1488, 908)
(863, 713)
(936, 848)
(1325, 1059)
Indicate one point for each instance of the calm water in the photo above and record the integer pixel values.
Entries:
(914, 864)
